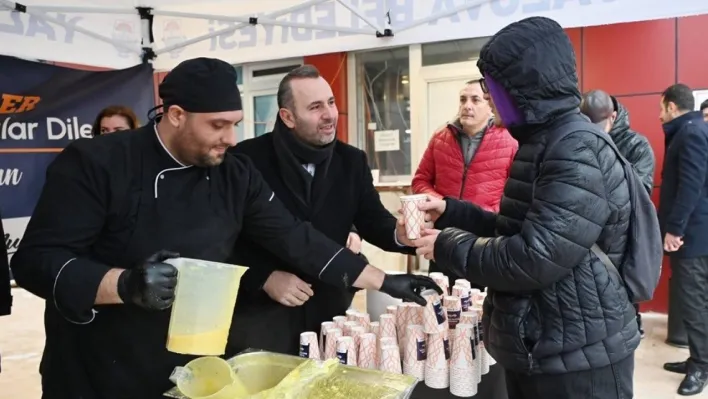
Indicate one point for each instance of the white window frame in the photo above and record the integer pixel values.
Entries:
(259, 86)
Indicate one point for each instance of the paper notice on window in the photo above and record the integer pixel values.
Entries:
(700, 96)
(387, 140)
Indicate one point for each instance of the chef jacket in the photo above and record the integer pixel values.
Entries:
(110, 202)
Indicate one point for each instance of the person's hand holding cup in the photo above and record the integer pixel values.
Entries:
(412, 220)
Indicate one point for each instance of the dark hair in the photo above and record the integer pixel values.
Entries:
(114, 110)
(285, 90)
(597, 105)
(704, 105)
(681, 95)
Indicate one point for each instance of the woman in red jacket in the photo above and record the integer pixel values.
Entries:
(468, 159)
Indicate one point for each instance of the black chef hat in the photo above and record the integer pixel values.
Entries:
(202, 85)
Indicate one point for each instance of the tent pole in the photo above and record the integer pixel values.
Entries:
(17, 7)
(358, 13)
(264, 21)
(441, 14)
(146, 22)
(230, 29)
(83, 10)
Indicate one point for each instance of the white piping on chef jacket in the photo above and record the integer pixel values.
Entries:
(56, 304)
(162, 172)
(328, 263)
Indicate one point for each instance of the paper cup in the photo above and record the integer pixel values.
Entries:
(477, 297)
(413, 217)
(388, 326)
(367, 354)
(414, 353)
(347, 331)
(461, 383)
(453, 307)
(434, 317)
(442, 282)
(375, 328)
(463, 283)
(390, 359)
(391, 309)
(363, 319)
(386, 341)
(330, 344)
(326, 325)
(309, 348)
(464, 294)
(416, 314)
(437, 371)
(346, 351)
(403, 319)
(462, 347)
(339, 321)
(351, 314)
(357, 332)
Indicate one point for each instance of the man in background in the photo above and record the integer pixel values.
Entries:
(322, 181)
(683, 215)
(469, 158)
(605, 111)
(704, 110)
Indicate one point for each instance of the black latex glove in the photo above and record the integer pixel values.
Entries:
(408, 287)
(150, 285)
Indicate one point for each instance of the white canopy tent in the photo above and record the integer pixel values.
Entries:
(123, 33)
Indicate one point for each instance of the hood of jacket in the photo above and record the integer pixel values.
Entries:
(621, 124)
(533, 59)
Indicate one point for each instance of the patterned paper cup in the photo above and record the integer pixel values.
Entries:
(309, 348)
(453, 306)
(363, 319)
(414, 353)
(390, 359)
(367, 355)
(339, 321)
(437, 370)
(434, 317)
(326, 325)
(346, 351)
(388, 326)
(375, 328)
(463, 293)
(348, 328)
(413, 217)
(330, 344)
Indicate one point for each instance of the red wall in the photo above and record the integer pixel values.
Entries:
(635, 62)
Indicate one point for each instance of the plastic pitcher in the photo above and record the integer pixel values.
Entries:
(208, 378)
(205, 297)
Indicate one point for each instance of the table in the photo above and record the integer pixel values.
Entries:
(493, 386)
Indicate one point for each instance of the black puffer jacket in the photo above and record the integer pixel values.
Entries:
(633, 146)
(552, 307)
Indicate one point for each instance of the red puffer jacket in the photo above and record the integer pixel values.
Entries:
(442, 171)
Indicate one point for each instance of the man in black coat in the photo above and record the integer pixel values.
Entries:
(320, 180)
(605, 111)
(704, 110)
(557, 320)
(683, 216)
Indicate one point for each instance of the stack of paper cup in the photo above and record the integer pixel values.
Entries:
(472, 319)
(437, 371)
(326, 325)
(357, 332)
(351, 314)
(414, 352)
(453, 306)
(348, 328)
(385, 341)
(413, 217)
(441, 281)
(477, 297)
(446, 282)
(463, 283)
(463, 381)
(375, 328)
(434, 318)
(309, 348)
(483, 355)
(330, 343)
(363, 319)
(464, 294)
(390, 359)
(367, 355)
(388, 326)
(416, 313)
(391, 309)
(346, 351)
(403, 319)
(339, 322)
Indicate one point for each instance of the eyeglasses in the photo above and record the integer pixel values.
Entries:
(483, 85)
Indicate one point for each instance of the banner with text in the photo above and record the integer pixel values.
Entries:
(42, 109)
(331, 26)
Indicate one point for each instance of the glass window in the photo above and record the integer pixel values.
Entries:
(239, 76)
(240, 132)
(383, 97)
(265, 110)
(452, 51)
